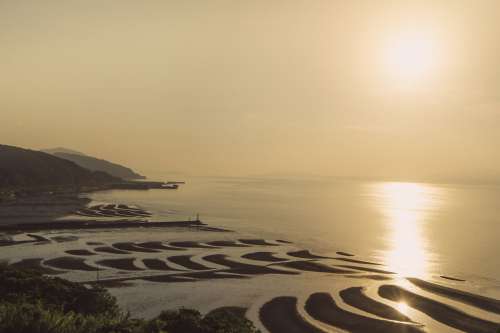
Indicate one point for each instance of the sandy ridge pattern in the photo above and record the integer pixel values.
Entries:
(112, 210)
(125, 263)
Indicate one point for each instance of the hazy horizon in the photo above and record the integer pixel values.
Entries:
(383, 90)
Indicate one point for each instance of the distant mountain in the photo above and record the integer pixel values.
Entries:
(95, 164)
(62, 150)
(29, 168)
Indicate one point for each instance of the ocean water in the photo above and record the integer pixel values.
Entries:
(395, 230)
(416, 229)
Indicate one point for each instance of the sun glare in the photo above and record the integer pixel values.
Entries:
(402, 307)
(410, 57)
(405, 207)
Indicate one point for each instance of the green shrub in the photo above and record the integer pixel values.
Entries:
(33, 303)
(28, 318)
(223, 320)
(227, 321)
(55, 293)
(182, 320)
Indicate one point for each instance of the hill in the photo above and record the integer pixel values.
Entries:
(62, 150)
(29, 168)
(95, 164)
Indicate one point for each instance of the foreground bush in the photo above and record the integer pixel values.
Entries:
(32, 303)
(55, 293)
(191, 321)
(28, 318)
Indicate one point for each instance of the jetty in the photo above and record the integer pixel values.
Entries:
(95, 224)
(146, 185)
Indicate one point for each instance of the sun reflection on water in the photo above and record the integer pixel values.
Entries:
(402, 307)
(406, 208)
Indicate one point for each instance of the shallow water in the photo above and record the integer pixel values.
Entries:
(153, 269)
(417, 229)
(361, 235)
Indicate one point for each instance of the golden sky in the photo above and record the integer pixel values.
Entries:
(362, 88)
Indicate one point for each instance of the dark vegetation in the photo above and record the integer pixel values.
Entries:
(27, 169)
(96, 164)
(61, 150)
(33, 303)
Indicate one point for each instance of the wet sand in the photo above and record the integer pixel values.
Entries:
(262, 242)
(263, 256)
(185, 261)
(159, 246)
(226, 244)
(63, 239)
(69, 263)
(356, 297)
(192, 245)
(94, 243)
(111, 250)
(112, 210)
(38, 238)
(135, 263)
(42, 207)
(358, 261)
(367, 269)
(12, 242)
(341, 253)
(158, 265)
(80, 252)
(126, 264)
(131, 247)
(322, 307)
(243, 268)
(312, 266)
(443, 313)
(166, 278)
(305, 254)
(35, 264)
(374, 277)
(482, 302)
(214, 275)
(281, 315)
(451, 278)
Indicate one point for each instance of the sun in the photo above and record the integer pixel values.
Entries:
(411, 57)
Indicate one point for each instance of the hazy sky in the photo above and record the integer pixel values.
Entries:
(404, 89)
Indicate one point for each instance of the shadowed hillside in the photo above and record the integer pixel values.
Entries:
(62, 150)
(95, 164)
(28, 168)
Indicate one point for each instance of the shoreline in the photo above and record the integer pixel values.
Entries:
(270, 276)
(95, 224)
(162, 266)
(41, 207)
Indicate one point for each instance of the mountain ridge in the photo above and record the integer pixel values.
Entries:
(21, 167)
(95, 164)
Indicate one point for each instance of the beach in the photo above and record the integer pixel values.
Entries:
(280, 283)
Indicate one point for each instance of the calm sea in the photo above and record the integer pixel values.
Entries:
(417, 229)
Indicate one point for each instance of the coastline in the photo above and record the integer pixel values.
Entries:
(41, 207)
(149, 266)
(95, 224)
(179, 267)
